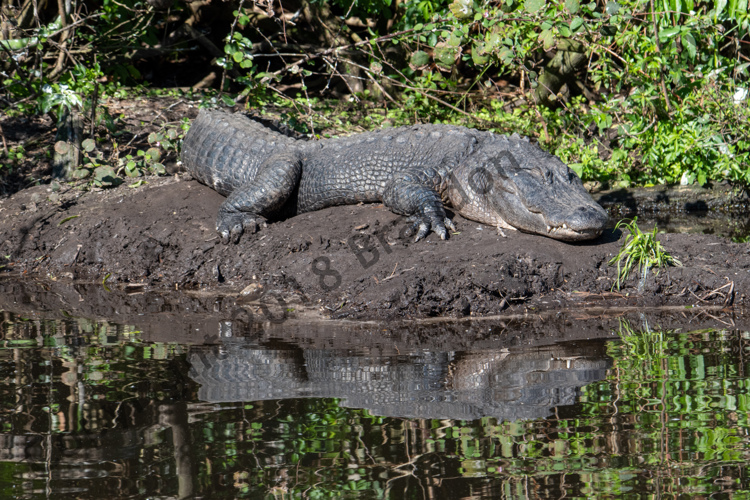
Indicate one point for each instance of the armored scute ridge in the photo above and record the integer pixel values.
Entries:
(506, 182)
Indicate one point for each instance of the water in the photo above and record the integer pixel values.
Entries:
(570, 407)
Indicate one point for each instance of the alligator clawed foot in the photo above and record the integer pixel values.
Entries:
(231, 226)
(423, 226)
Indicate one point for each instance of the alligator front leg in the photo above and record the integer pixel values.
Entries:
(414, 193)
(248, 206)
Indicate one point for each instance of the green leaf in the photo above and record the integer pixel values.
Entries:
(445, 55)
(572, 6)
(455, 39)
(668, 33)
(81, 173)
(689, 43)
(577, 168)
(462, 9)
(66, 219)
(419, 58)
(153, 154)
(478, 55)
(62, 147)
(612, 8)
(576, 24)
(608, 30)
(506, 55)
(106, 176)
(534, 6)
(88, 145)
(238, 56)
(564, 30)
(719, 5)
(547, 38)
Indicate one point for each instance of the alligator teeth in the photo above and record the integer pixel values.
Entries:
(565, 226)
(549, 229)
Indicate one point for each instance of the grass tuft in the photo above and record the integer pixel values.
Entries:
(640, 251)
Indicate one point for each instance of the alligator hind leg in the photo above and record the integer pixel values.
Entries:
(248, 206)
(414, 194)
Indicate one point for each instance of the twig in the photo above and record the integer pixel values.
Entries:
(230, 37)
(94, 102)
(333, 50)
(421, 92)
(399, 274)
(59, 65)
(658, 50)
(2, 136)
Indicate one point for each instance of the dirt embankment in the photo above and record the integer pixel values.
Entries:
(351, 261)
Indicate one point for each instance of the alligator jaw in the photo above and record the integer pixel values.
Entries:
(573, 217)
(567, 234)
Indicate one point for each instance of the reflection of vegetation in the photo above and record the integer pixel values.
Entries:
(97, 406)
(640, 251)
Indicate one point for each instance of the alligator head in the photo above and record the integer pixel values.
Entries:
(511, 183)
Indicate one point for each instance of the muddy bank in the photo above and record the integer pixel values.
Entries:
(352, 261)
(218, 317)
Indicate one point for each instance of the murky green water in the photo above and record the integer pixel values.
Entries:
(92, 410)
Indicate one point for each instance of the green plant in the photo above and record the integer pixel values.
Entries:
(640, 251)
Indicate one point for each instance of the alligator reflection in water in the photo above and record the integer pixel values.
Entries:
(502, 383)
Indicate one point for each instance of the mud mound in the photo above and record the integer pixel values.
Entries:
(352, 261)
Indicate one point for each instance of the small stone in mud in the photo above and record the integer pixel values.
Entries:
(252, 291)
(463, 306)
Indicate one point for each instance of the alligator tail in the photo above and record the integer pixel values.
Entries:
(224, 150)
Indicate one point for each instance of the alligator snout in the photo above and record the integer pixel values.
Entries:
(589, 217)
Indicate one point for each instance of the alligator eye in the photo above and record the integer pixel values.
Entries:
(544, 175)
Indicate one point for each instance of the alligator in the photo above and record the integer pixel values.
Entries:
(504, 181)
